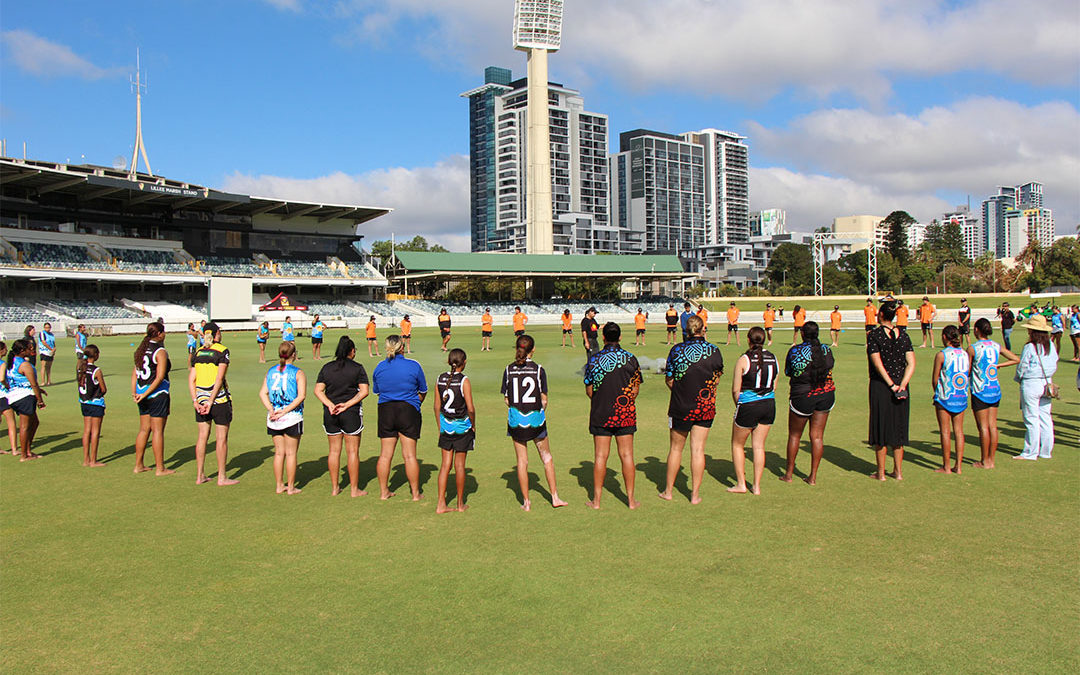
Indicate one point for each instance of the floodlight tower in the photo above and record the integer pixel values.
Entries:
(138, 85)
(537, 31)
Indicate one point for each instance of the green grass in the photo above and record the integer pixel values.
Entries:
(106, 571)
(1017, 302)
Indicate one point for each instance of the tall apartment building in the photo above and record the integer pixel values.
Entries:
(768, 223)
(1001, 236)
(497, 167)
(1025, 225)
(971, 230)
(727, 185)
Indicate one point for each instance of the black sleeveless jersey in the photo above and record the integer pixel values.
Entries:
(449, 386)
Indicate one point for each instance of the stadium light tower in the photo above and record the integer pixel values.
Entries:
(537, 31)
(138, 85)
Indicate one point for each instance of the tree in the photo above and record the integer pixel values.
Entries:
(1061, 263)
(917, 276)
(952, 244)
(793, 265)
(897, 224)
(1031, 255)
(381, 249)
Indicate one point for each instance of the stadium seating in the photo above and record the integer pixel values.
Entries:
(304, 269)
(145, 260)
(93, 310)
(57, 256)
(13, 313)
(240, 266)
(326, 309)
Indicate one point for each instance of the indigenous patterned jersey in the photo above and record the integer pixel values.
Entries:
(18, 385)
(984, 371)
(695, 366)
(805, 378)
(613, 373)
(454, 416)
(317, 329)
(147, 371)
(951, 392)
(522, 385)
(287, 332)
(283, 388)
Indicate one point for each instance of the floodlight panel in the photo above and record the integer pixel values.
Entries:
(538, 24)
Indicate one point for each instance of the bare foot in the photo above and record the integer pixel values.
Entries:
(335, 491)
(556, 502)
(85, 463)
(786, 478)
(386, 495)
(526, 506)
(418, 496)
(280, 490)
(810, 480)
(293, 491)
(96, 464)
(956, 469)
(164, 472)
(895, 474)
(739, 489)
(357, 492)
(199, 480)
(990, 465)
(979, 465)
(755, 489)
(29, 456)
(665, 495)
(877, 475)
(695, 499)
(943, 469)
(441, 508)
(140, 469)
(634, 504)
(227, 481)
(463, 508)
(593, 504)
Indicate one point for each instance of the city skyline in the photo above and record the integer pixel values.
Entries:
(362, 106)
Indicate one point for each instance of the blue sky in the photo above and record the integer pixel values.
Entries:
(849, 108)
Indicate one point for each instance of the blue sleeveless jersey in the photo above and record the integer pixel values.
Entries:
(317, 330)
(282, 387)
(1074, 323)
(80, 342)
(286, 332)
(18, 385)
(1056, 323)
(951, 392)
(984, 375)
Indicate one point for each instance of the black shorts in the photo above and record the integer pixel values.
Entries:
(927, 326)
(262, 342)
(733, 328)
(978, 404)
(92, 410)
(295, 431)
(612, 431)
(672, 329)
(156, 406)
(519, 333)
(806, 405)
(4, 405)
(220, 414)
(684, 426)
(444, 333)
(485, 333)
(965, 329)
(316, 341)
(458, 442)
(750, 415)
(27, 405)
(32, 359)
(373, 339)
(522, 435)
(45, 358)
(640, 331)
(349, 422)
(399, 417)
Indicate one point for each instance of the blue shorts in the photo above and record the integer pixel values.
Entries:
(89, 410)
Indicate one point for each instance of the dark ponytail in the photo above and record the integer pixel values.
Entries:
(522, 348)
(154, 330)
(285, 351)
(18, 348)
(755, 338)
(950, 335)
(345, 346)
(818, 365)
(91, 352)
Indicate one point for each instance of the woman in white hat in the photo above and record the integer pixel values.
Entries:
(1034, 372)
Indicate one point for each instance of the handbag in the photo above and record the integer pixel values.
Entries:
(1051, 390)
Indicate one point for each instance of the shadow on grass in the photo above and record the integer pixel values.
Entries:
(655, 470)
(923, 454)
(118, 454)
(471, 486)
(246, 461)
(180, 457)
(62, 447)
(847, 461)
(398, 478)
(721, 470)
(311, 470)
(511, 479)
(584, 474)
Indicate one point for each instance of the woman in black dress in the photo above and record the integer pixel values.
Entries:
(892, 365)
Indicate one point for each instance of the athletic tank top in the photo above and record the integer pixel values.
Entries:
(759, 380)
(317, 329)
(90, 391)
(984, 379)
(286, 332)
(454, 418)
(263, 334)
(523, 385)
(1074, 323)
(147, 371)
(951, 392)
(192, 343)
(18, 385)
(283, 389)
(80, 342)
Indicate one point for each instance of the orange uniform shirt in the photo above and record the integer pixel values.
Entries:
(406, 328)
(902, 315)
(733, 315)
(370, 330)
(704, 314)
(926, 313)
(519, 321)
(567, 322)
(799, 317)
(835, 319)
(870, 312)
(769, 316)
(639, 321)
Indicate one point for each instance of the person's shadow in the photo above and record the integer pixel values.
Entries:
(584, 474)
(511, 479)
(655, 471)
(398, 477)
(62, 447)
(721, 470)
(247, 461)
(471, 486)
(844, 459)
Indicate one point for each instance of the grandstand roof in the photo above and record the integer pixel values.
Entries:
(417, 264)
(88, 183)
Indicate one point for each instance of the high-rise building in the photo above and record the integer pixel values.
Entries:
(768, 223)
(497, 162)
(1000, 236)
(727, 185)
(971, 229)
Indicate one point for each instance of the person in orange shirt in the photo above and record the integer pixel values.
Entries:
(769, 316)
(798, 315)
(486, 329)
(836, 319)
(372, 338)
(870, 314)
(639, 326)
(927, 314)
(901, 316)
(406, 333)
(704, 315)
(519, 322)
(567, 327)
(732, 323)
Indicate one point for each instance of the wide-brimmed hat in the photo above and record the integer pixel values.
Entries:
(1039, 323)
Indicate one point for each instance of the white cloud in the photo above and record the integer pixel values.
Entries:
(431, 200)
(36, 55)
(968, 148)
(289, 5)
(752, 49)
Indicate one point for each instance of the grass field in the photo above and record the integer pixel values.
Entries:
(912, 299)
(106, 571)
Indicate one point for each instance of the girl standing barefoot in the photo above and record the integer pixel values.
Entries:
(950, 382)
(986, 359)
(5, 409)
(752, 388)
(24, 395)
(283, 391)
(457, 426)
(92, 399)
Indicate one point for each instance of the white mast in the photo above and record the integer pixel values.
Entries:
(140, 148)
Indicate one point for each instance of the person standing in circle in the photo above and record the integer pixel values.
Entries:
(590, 331)
(684, 320)
(985, 356)
(703, 314)
(401, 386)
(1057, 329)
(1035, 372)
(612, 380)
(693, 370)
(524, 390)
(213, 403)
(81, 337)
(5, 409)
(457, 426)
(282, 394)
(193, 342)
(567, 327)
(287, 334)
(812, 396)
(30, 333)
(769, 318)
(91, 383)
(870, 316)
(798, 317)
(902, 316)
(261, 336)
(927, 314)
(1008, 320)
(444, 327)
(487, 326)
(47, 350)
(949, 380)
(317, 328)
(891, 361)
(640, 320)
(372, 337)
(519, 321)
(964, 316)
(24, 395)
(150, 391)
(732, 323)
(342, 386)
(836, 322)
(406, 334)
(1074, 331)
(671, 319)
(753, 390)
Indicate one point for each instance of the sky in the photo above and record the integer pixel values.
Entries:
(848, 107)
